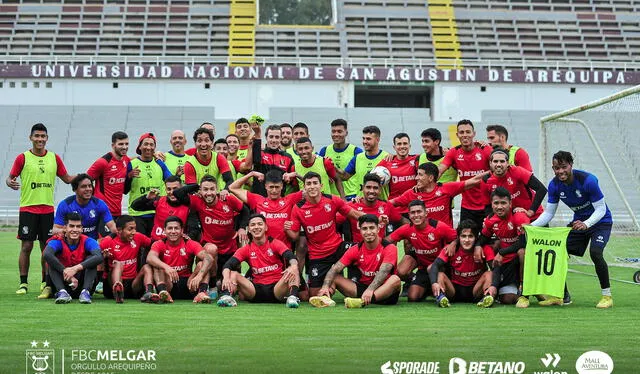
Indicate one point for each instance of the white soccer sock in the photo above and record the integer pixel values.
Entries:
(606, 292)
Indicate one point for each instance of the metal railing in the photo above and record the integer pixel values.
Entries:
(523, 64)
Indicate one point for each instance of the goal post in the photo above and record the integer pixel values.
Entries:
(603, 137)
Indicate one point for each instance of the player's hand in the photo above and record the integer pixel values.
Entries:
(290, 177)
(450, 249)
(388, 158)
(106, 253)
(223, 195)
(497, 261)
(229, 285)
(160, 156)
(478, 254)
(69, 272)
(291, 274)
(258, 175)
(13, 183)
(578, 225)
(257, 130)
(73, 283)
(324, 291)
(173, 274)
(242, 236)
(134, 173)
(482, 143)
(436, 289)
(180, 171)
(153, 193)
(357, 199)
(519, 210)
(366, 296)
(194, 282)
(288, 225)
(384, 220)
(492, 291)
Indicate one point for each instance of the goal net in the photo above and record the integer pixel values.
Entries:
(603, 137)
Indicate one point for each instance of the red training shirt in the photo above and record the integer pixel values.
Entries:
(275, 211)
(469, 164)
(379, 208)
(403, 174)
(507, 230)
(465, 271)
(127, 253)
(515, 180)
(438, 201)
(218, 221)
(266, 261)
(179, 257)
(110, 175)
(369, 261)
(427, 242)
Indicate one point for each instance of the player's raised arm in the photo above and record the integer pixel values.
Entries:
(236, 187)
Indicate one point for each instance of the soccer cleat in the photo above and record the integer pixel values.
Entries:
(442, 301)
(118, 292)
(85, 297)
(150, 297)
(42, 286)
(99, 288)
(63, 297)
(523, 302)
(550, 301)
(567, 300)
(227, 301)
(22, 290)
(46, 293)
(353, 302)
(202, 298)
(213, 293)
(165, 297)
(321, 301)
(605, 302)
(486, 302)
(293, 302)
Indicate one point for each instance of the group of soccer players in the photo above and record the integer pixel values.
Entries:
(307, 222)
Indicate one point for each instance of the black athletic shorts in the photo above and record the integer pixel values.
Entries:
(476, 216)
(391, 300)
(421, 278)
(32, 226)
(264, 294)
(129, 292)
(318, 268)
(180, 290)
(464, 294)
(596, 237)
(510, 273)
(144, 225)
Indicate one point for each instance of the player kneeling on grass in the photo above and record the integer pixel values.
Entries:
(376, 261)
(73, 260)
(470, 281)
(269, 282)
(122, 252)
(172, 260)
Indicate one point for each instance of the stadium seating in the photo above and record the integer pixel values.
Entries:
(574, 33)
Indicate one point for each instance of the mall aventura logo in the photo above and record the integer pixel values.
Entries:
(40, 358)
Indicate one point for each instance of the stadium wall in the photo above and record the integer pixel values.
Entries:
(450, 101)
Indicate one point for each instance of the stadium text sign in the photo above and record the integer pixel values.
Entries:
(394, 74)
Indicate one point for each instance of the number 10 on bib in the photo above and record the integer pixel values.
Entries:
(545, 261)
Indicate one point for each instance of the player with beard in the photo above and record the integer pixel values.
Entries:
(286, 138)
(402, 166)
(271, 281)
(309, 161)
(498, 137)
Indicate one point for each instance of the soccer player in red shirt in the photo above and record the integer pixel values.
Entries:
(275, 208)
(124, 253)
(427, 237)
(470, 159)
(497, 135)
(469, 281)
(316, 214)
(35, 167)
(437, 197)
(164, 206)
(271, 281)
(219, 219)
(376, 261)
(402, 166)
(527, 192)
(172, 261)
(507, 228)
(371, 204)
(110, 173)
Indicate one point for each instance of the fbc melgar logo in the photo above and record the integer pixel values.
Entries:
(594, 362)
(456, 366)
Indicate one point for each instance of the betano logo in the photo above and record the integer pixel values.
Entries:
(460, 366)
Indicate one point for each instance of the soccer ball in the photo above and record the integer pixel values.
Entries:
(383, 173)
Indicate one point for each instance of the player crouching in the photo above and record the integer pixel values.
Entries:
(470, 281)
(72, 260)
(172, 260)
(377, 262)
(122, 252)
(270, 283)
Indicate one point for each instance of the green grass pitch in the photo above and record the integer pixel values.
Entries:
(190, 338)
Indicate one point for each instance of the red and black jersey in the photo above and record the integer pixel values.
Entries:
(427, 242)
(379, 208)
(126, 253)
(218, 221)
(163, 211)
(179, 257)
(464, 270)
(277, 212)
(403, 174)
(110, 175)
(266, 261)
(469, 164)
(368, 261)
(515, 180)
(507, 230)
(266, 160)
(437, 202)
